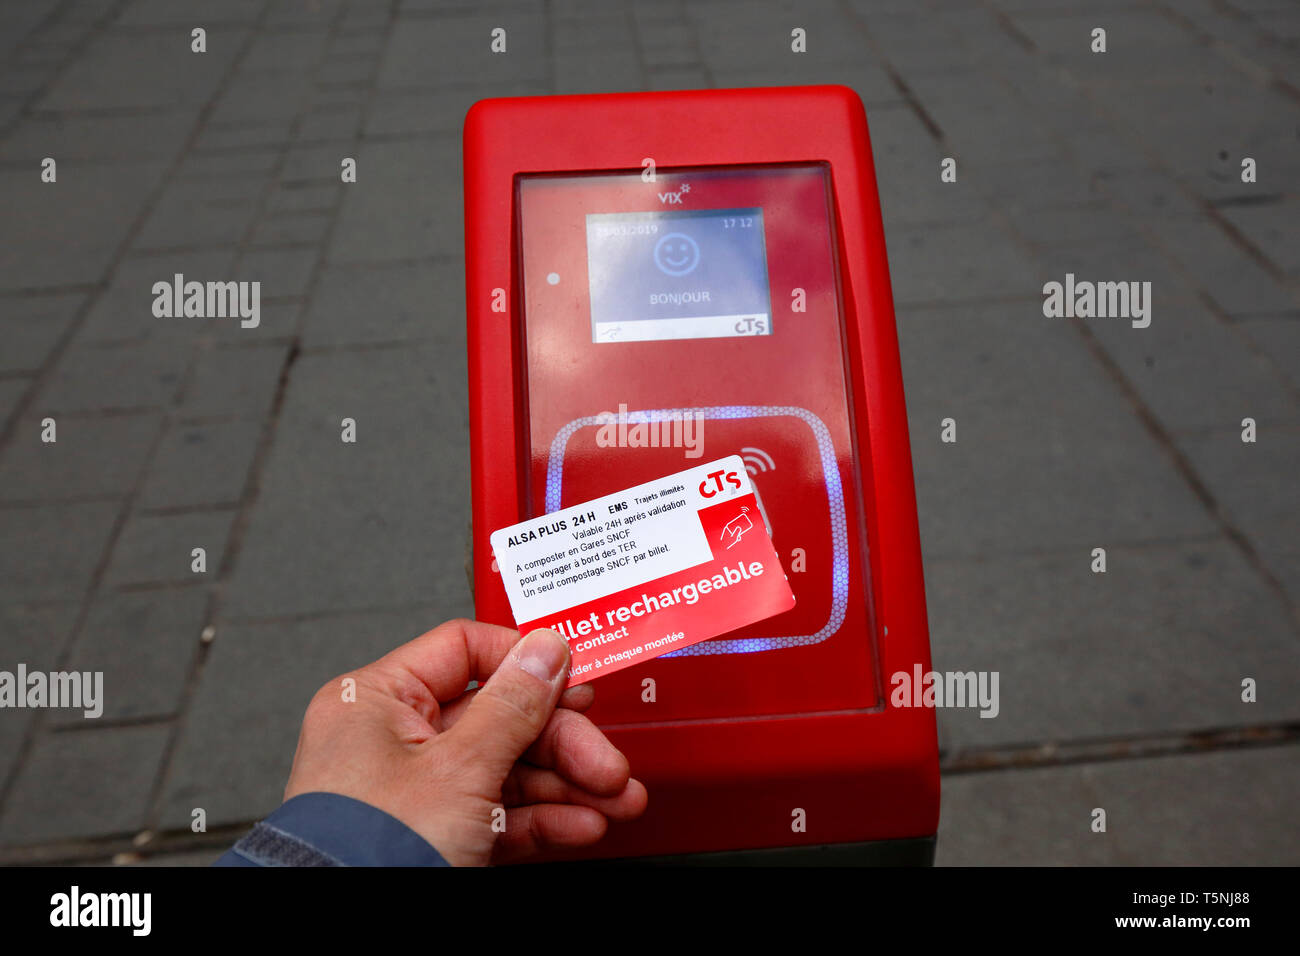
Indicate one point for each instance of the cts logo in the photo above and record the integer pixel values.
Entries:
(718, 481)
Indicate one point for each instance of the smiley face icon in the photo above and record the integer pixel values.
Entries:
(676, 254)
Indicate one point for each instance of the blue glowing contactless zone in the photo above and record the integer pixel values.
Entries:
(834, 500)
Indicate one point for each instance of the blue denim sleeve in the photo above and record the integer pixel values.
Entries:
(328, 829)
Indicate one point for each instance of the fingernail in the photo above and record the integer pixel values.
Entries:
(543, 653)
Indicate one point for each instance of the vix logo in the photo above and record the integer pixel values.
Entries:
(669, 199)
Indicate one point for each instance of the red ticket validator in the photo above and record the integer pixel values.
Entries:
(647, 571)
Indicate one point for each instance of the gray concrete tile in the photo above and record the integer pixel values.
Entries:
(332, 126)
(1271, 227)
(346, 73)
(1279, 338)
(234, 381)
(411, 9)
(157, 549)
(262, 97)
(144, 70)
(387, 303)
(1200, 127)
(123, 312)
(1148, 192)
(155, 13)
(11, 106)
(685, 78)
(304, 16)
(914, 40)
(1048, 453)
(661, 58)
(984, 37)
(235, 753)
(377, 523)
(190, 214)
(606, 29)
(201, 465)
(283, 273)
(20, 81)
(454, 50)
(278, 323)
(867, 78)
(1095, 221)
(12, 391)
(50, 552)
(993, 131)
(613, 71)
(34, 636)
(253, 166)
(131, 375)
(252, 135)
(31, 327)
(330, 98)
(93, 139)
(84, 783)
(734, 35)
(1222, 268)
(1229, 808)
(406, 203)
(1255, 484)
(431, 111)
(1132, 36)
(1033, 185)
(284, 51)
(1124, 256)
(72, 227)
(958, 262)
(315, 163)
(69, 25)
(907, 161)
(1159, 643)
(302, 197)
(1195, 371)
(144, 644)
(370, 43)
(291, 229)
(92, 456)
(17, 22)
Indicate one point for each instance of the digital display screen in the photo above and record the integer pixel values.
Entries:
(678, 275)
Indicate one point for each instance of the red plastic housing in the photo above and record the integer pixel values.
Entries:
(734, 743)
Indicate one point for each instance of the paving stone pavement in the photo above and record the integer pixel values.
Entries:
(1119, 690)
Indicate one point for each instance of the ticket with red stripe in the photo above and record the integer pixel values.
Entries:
(646, 571)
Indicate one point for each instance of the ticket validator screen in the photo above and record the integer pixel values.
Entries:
(697, 274)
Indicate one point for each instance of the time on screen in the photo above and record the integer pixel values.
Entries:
(738, 222)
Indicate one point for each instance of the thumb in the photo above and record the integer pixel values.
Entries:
(510, 710)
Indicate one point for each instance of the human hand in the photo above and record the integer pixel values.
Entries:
(415, 744)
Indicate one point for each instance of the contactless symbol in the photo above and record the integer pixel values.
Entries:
(756, 460)
(735, 528)
(677, 254)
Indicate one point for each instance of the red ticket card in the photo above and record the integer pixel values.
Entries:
(645, 571)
